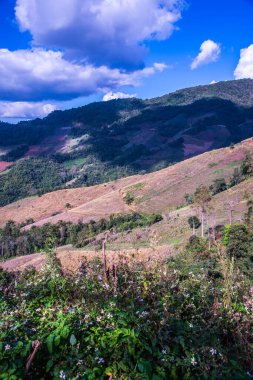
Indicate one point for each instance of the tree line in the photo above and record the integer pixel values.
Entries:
(15, 240)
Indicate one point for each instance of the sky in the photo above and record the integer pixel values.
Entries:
(66, 53)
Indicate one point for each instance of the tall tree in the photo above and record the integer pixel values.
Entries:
(202, 197)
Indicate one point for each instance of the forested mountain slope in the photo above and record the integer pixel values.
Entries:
(104, 141)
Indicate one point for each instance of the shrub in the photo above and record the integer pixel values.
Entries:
(237, 239)
(219, 185)
(194, 222)
(128, 198)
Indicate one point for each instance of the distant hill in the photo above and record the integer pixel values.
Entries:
(239, 92)
(104, 141)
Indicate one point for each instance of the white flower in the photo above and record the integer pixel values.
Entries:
(193, 361)
(62, 375)
(7, 347)
(100, 360)
(144, 314)
(164, 352)
(213, 351)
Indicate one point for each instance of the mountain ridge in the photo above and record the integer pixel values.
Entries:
(104, 141)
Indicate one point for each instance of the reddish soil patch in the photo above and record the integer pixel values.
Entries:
(50, 144)
(4, 165)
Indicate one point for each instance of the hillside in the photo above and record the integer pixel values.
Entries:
(159, 192)
(120, 281)
(70, 148)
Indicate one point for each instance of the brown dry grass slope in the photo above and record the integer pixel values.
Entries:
(162, 191)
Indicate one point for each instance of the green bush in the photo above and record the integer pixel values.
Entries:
(237, 240)
(146, 324)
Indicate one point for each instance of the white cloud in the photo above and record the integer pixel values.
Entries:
(44, 74)
(244, 68)
(25, 109)
(102, 32)
(117, 95)
(213, 82)
(209, 52)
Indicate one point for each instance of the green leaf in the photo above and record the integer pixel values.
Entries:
(49, 341)
(50, 364)
(57, 340)
(73, 340)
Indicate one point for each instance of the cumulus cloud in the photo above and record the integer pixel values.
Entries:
(44, 74)
(209, 52)
(117, 95)
(25, 109)
(244, 68)
(101, 32)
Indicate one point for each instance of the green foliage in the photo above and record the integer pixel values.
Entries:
(197, 245)
(249, 213)
(14, 241)
(15, 154)
(29, 177)
(194, 222)
(236, 177)
(155, 325)
(247, 165)
(219, 185)
(237, 240)
(128, 198)
(188, 199)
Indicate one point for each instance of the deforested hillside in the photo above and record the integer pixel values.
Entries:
(168, 192)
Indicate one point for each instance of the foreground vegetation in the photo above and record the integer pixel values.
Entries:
(187, 318)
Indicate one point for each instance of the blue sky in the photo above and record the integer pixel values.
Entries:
(77, 51)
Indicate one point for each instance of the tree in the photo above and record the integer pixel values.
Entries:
(237, 239)
(236, 178)
(188, 199)
(249, 213)
(247, 165)
(202, 197)
(218, 186)
(194, 223)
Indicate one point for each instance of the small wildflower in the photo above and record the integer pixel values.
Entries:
(193, 361)
(100, 360)
(7, 347)
(213, 351)
(62, 375)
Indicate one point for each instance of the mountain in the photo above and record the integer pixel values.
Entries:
(104, 141)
